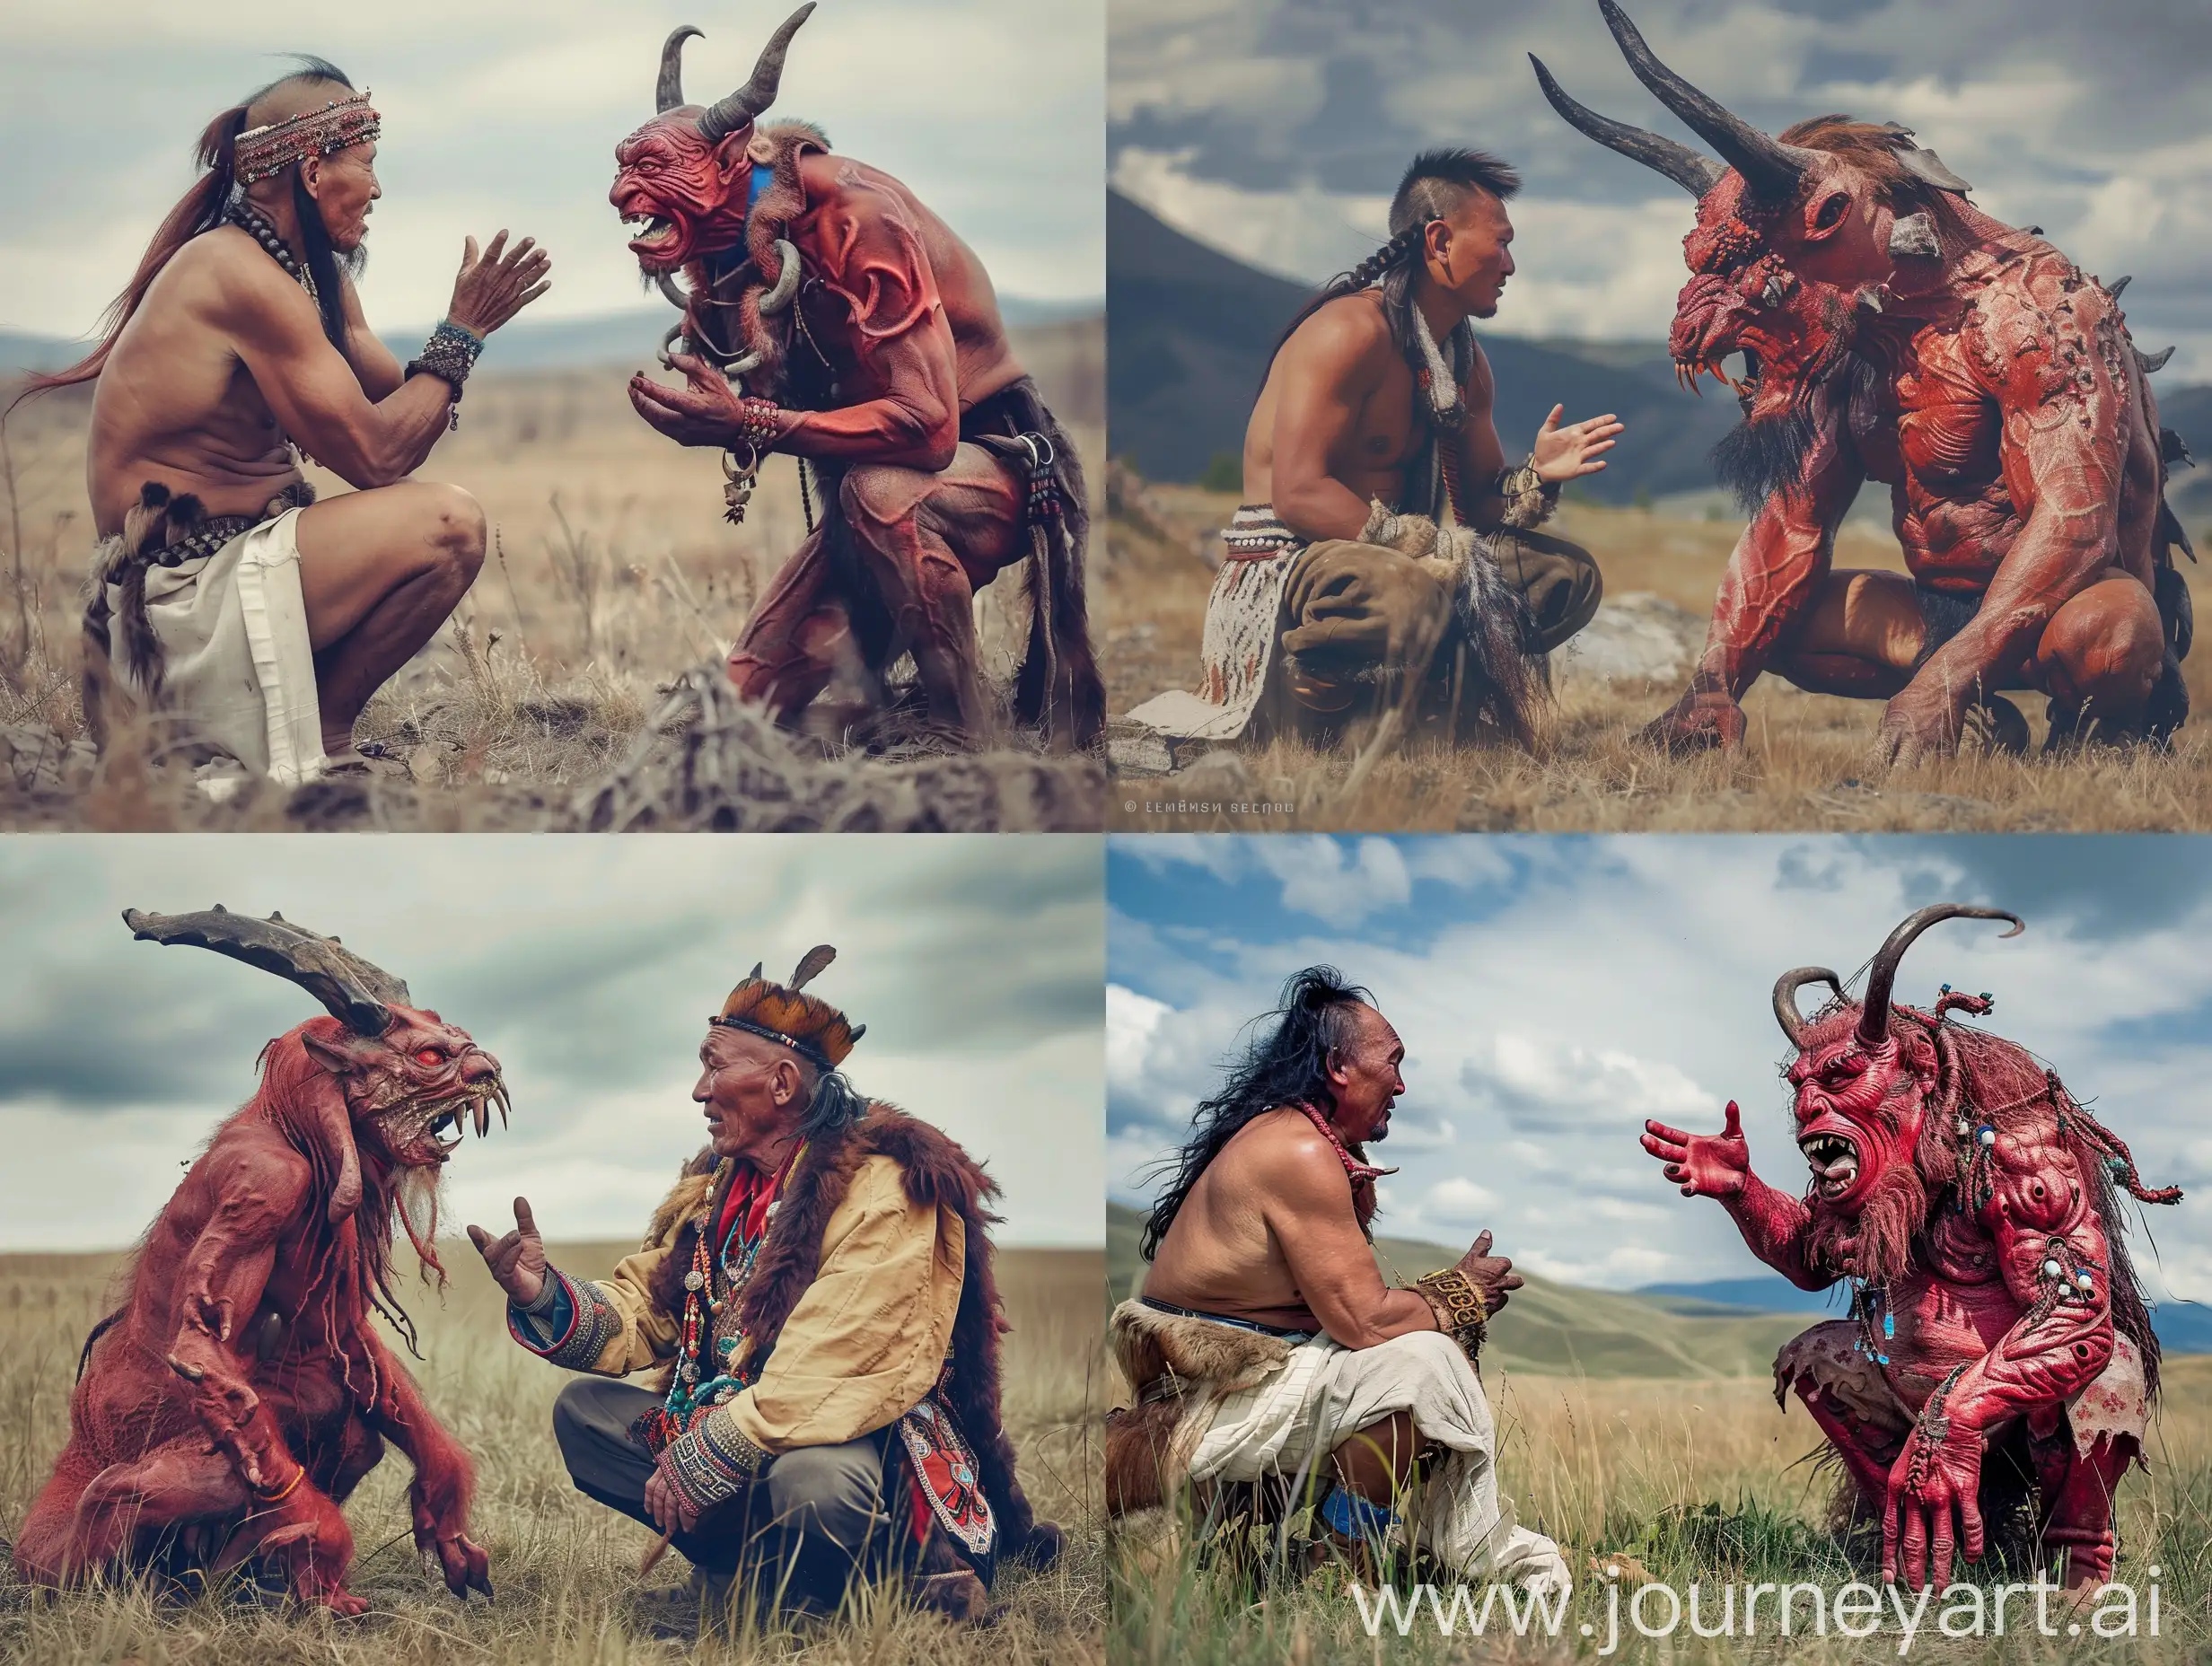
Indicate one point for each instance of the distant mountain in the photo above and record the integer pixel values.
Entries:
(627, 337)
(1190, 332)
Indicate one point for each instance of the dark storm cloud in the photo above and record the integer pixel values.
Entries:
(2093, 122)
(589, 967)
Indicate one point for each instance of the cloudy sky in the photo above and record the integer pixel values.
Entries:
(1553, 992)
(1275, 129)
(588, 968)
(507, 113)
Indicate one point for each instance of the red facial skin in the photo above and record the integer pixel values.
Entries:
(194, 1414)
(2011, 423)
(1974, 1298)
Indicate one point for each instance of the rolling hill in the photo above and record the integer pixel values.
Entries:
(1192, 330)
(1725, 1328)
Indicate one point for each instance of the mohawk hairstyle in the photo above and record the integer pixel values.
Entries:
(1435, 185)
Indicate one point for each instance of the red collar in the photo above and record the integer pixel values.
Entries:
(1353, 1166)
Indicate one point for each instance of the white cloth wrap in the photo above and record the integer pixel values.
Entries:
(1288, 1424)
(238, 666)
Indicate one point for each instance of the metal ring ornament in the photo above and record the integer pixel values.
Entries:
(732, 470)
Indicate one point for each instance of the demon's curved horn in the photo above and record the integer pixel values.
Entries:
(1874, 1019)
(1694, 173)
(667, 91)
(351, 990)
(1769, 167)
(726, 116)
(1786, 988)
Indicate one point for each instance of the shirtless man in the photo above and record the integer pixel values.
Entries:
(253, 625)
(1342, 576)
(1259, 1256)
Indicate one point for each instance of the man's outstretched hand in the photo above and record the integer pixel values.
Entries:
(517, 1259)
(1568, 454)
(1492, 1275)
(1707, 1165)
(494, 286)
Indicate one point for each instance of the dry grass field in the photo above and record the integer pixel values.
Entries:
(1686, 1481)
(566, 1570)
(611, 575)
(1807, 764)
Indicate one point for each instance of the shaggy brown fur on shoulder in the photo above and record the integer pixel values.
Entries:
(1146, 1464)
(937, 1173)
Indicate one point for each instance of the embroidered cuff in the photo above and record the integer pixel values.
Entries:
(713, 1461)
(1459, 1307)
(573, 1339)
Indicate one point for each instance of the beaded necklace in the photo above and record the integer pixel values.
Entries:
(689, 1397)
(257, 225)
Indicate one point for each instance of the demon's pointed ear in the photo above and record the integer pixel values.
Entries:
(342, 1054)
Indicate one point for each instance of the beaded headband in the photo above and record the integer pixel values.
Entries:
(268, 151)
(805, 1048)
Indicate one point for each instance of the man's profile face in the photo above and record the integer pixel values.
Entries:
(342, 185)
(1364, 1075)
(747, 1088)
(1470, 253)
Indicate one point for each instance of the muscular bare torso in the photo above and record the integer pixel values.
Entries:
(1221, 1254)
(984, 359)
(1347, 343)
(2023, 321)
(176, 404)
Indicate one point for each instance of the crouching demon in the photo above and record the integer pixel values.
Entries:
(1999, 1370)
(224, 1410)
(828, 314)
(1890, 330)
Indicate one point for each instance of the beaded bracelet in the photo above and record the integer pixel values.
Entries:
(759, 423)
(1459, 1307)
(450, 354)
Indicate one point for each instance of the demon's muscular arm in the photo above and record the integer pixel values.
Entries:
(2040, 1218)
(2061, 458)
(1772, 579)
(875, 263)
(1719, 1166)
(263, 1189)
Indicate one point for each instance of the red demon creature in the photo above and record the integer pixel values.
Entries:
(1998, 1366)
(239, 1394)
(828, 314)
(1892, 331)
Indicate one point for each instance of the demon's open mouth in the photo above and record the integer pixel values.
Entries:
(1834, 1161)
(1689, 373)
(654, 237)
(447, 1121)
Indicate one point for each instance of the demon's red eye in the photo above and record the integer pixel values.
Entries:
(430, 1055)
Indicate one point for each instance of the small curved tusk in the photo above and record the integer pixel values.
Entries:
(743, 367)
(786, 279)
(673, 293)
(675, 333)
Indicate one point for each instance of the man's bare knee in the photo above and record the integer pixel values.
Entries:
(458, 530)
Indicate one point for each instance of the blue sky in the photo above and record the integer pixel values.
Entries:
(588, 967)
(1275, 129)
(1553, 991)
(506, 112)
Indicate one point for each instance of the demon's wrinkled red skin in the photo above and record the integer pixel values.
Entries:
(245, 1354)
(905, 314)
(1967, 1290)
(2008, 415)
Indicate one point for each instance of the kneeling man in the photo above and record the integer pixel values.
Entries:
(1266, 1347)
(245, 621)
(1386, 553)
(801, 1297)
